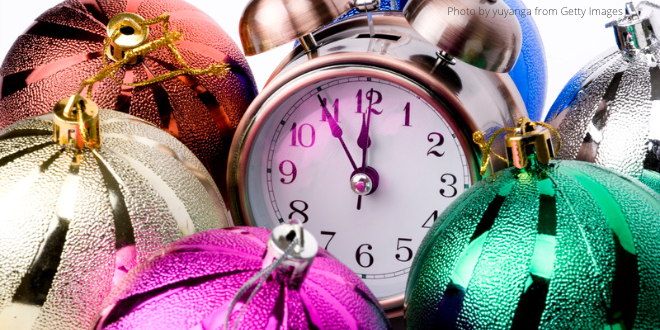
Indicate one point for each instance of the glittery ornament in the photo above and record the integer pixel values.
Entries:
(562, 245)
(79, 213)
(608, 113)
(195, 281)
(530, 74)
(65, 44)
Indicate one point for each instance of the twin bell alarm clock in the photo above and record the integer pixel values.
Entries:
(363, 132)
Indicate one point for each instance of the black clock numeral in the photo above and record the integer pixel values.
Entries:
(331, 234)
(335, 115)
(441, 141)
(359, 256)
(299, 211)
(293, 173)
(432, 218)
(298, 133)
(407, 111)
(407, 249)
(453, 182)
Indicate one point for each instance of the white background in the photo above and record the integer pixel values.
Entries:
(570, 41)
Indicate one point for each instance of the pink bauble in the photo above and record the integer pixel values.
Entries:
(191, 283)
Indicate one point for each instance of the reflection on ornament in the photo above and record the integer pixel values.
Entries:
(609, 112)
(268, 281)
(81, 207)
(530, 74)
(65, 46)
(562, 245)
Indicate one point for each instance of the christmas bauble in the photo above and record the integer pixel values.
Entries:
(383, 5)
(74, 222)
(530, 74)
(567, 245)
(608, 112)
(195, 281)
(65, 45)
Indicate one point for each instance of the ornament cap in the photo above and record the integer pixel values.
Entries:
(528, 140)
(295, 265)
(126, 31)
(462, 29)
(76, 123)
(267, 24)
(633, 32)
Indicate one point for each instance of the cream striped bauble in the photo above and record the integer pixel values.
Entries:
(73, 223)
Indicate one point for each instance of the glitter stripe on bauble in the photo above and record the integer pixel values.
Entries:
(609, 112)
(563, 245)
(75, 222)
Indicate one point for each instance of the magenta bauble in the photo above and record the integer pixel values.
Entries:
(191, 284)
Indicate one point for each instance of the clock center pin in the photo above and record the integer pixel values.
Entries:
(364, 181)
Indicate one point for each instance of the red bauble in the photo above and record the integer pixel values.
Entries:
(64, 46)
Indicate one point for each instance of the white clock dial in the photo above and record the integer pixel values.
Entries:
(371, 213)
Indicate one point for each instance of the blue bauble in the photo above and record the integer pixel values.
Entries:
(384, 5)
(530, 74)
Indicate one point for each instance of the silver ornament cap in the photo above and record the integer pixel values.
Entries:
(609, 112)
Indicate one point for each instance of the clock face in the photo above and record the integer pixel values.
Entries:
(365, 163)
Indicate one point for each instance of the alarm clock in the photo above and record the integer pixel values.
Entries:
(363, 132)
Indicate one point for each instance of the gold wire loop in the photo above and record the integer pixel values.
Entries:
(480, 139)
(168, 40)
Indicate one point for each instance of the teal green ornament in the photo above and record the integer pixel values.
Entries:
(542, 245)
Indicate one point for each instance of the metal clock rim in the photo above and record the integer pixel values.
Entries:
(292, 81)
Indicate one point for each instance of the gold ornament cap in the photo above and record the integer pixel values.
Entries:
(126, 31)
(76, 123)
(267, 24)
(528, 140)
(525, 140)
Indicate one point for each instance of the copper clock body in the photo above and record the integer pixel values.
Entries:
(464, 97)
(64, 46)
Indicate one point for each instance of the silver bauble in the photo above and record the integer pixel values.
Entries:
(75, 220)
(609, 112)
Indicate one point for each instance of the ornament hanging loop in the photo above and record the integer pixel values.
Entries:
(524, 141)
(131, 30)
(289, 255)
(76, 123)
(126, 31)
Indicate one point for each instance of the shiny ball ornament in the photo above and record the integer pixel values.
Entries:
(608, 113)
(65, 44)
(382, 5)
(563, 245)
(195, 281)
(74, 221)
(530, 74)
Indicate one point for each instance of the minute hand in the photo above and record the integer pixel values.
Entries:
(336, 130)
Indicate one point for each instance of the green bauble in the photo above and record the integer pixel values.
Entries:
(651, 179)
(568, 245)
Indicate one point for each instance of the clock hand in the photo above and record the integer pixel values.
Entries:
(364, 141)
(336, 130)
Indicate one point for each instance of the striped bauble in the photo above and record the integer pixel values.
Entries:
(569, 245)
(73, 223)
